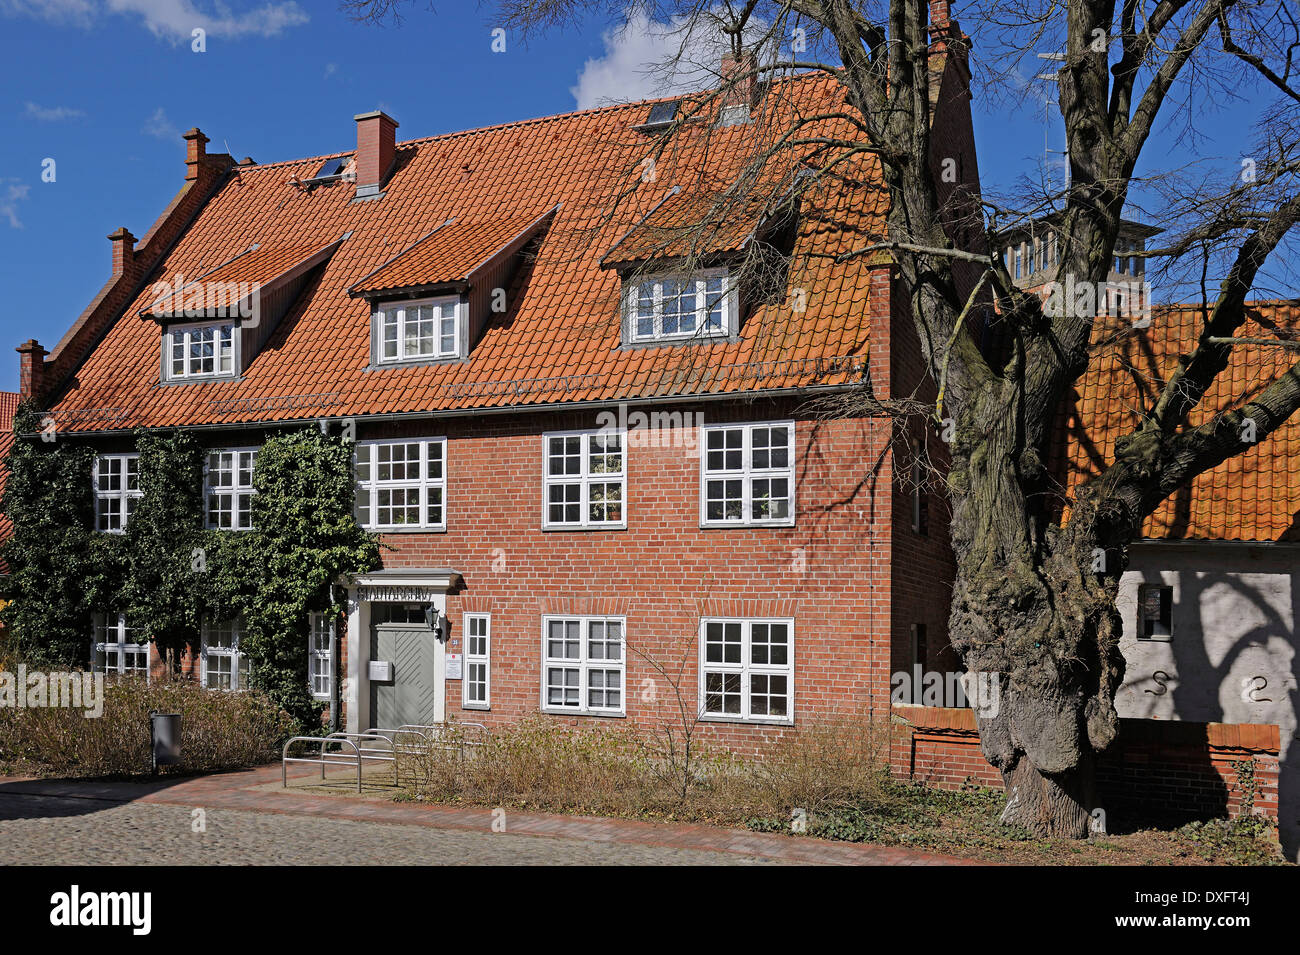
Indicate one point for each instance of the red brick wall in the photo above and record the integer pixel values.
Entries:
(1162, 766)
(830, 572)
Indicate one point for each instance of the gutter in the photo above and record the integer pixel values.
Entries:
(554, 406)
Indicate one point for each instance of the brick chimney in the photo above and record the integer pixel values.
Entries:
(123, 250)
(739, 88)
(376, 149)
(31, 374)
(195, 151)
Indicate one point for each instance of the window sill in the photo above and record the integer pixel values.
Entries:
(550, 711)
(746, 721)
(741, 525)
(585, 527)
(476, 707)
(404, 529)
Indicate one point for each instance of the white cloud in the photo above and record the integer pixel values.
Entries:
(14, 193)
(159, 126)
(52, 114)
(75, 12)
(172, 20)
(175, 19)
(638, 60)
(331, 69)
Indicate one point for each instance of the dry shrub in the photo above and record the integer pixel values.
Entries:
(218, 731)
(540, 764)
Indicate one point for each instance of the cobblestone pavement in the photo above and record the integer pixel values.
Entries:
(250, 819)
(52, 830)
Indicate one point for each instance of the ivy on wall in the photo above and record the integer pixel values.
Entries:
(167, 572)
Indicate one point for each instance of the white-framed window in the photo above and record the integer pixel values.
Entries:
(200, 351)
(583, 664)
(223, 665)
(117, 487)
(747, 670)
(476, 687)
(584, 479)
(319, 670)
(228, 488)
(402, 484)
(680, 307)
(418, 331)
(114, 649)
(747, 475)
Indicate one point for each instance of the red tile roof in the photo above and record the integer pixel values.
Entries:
(1254, 496)
(8, 405)
(560, 339)
(256, 267)
(452, 252)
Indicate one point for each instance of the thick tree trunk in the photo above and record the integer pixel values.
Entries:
(1034, 609)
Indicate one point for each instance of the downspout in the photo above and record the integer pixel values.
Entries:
(334, 667)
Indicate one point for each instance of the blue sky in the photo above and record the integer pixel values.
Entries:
(105, 87)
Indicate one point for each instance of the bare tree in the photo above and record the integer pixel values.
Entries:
(1032, 602)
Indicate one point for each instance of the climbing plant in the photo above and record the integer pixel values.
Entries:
(50, 554)
(167, 572)
(306, 539)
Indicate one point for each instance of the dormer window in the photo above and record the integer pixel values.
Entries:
(423, 330)
(671, 308)
(201, 351)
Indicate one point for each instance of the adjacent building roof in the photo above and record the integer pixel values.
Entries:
(456, 197)
(1254, 496)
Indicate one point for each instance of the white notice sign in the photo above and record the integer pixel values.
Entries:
(453, 666)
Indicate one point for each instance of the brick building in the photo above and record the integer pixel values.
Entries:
(585, 440)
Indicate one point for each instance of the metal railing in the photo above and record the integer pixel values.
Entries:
(379, 744)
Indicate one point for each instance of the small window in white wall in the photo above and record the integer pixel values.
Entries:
(117, 488)
(582, 664)
(319, 671)
(747, 670)
(115, 651)
(476, 686)
(1155, 612)
(748, 475)
(224, 665)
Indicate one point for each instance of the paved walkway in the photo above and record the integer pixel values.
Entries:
(246, 818)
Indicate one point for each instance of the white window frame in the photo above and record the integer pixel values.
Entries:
(584, 480)
(747, 474)
(237, 491)
(730, 307)
(746, 668)
(318, 629)
(584, 664)
(238, 659)
(483, 659)
(121, 646)
(123, 495)
(425, 485)
(394, 314)
(183, 336)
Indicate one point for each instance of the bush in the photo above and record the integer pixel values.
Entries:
(540, 764)
(218, 731)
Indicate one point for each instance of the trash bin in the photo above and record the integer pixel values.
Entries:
(165, 734)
